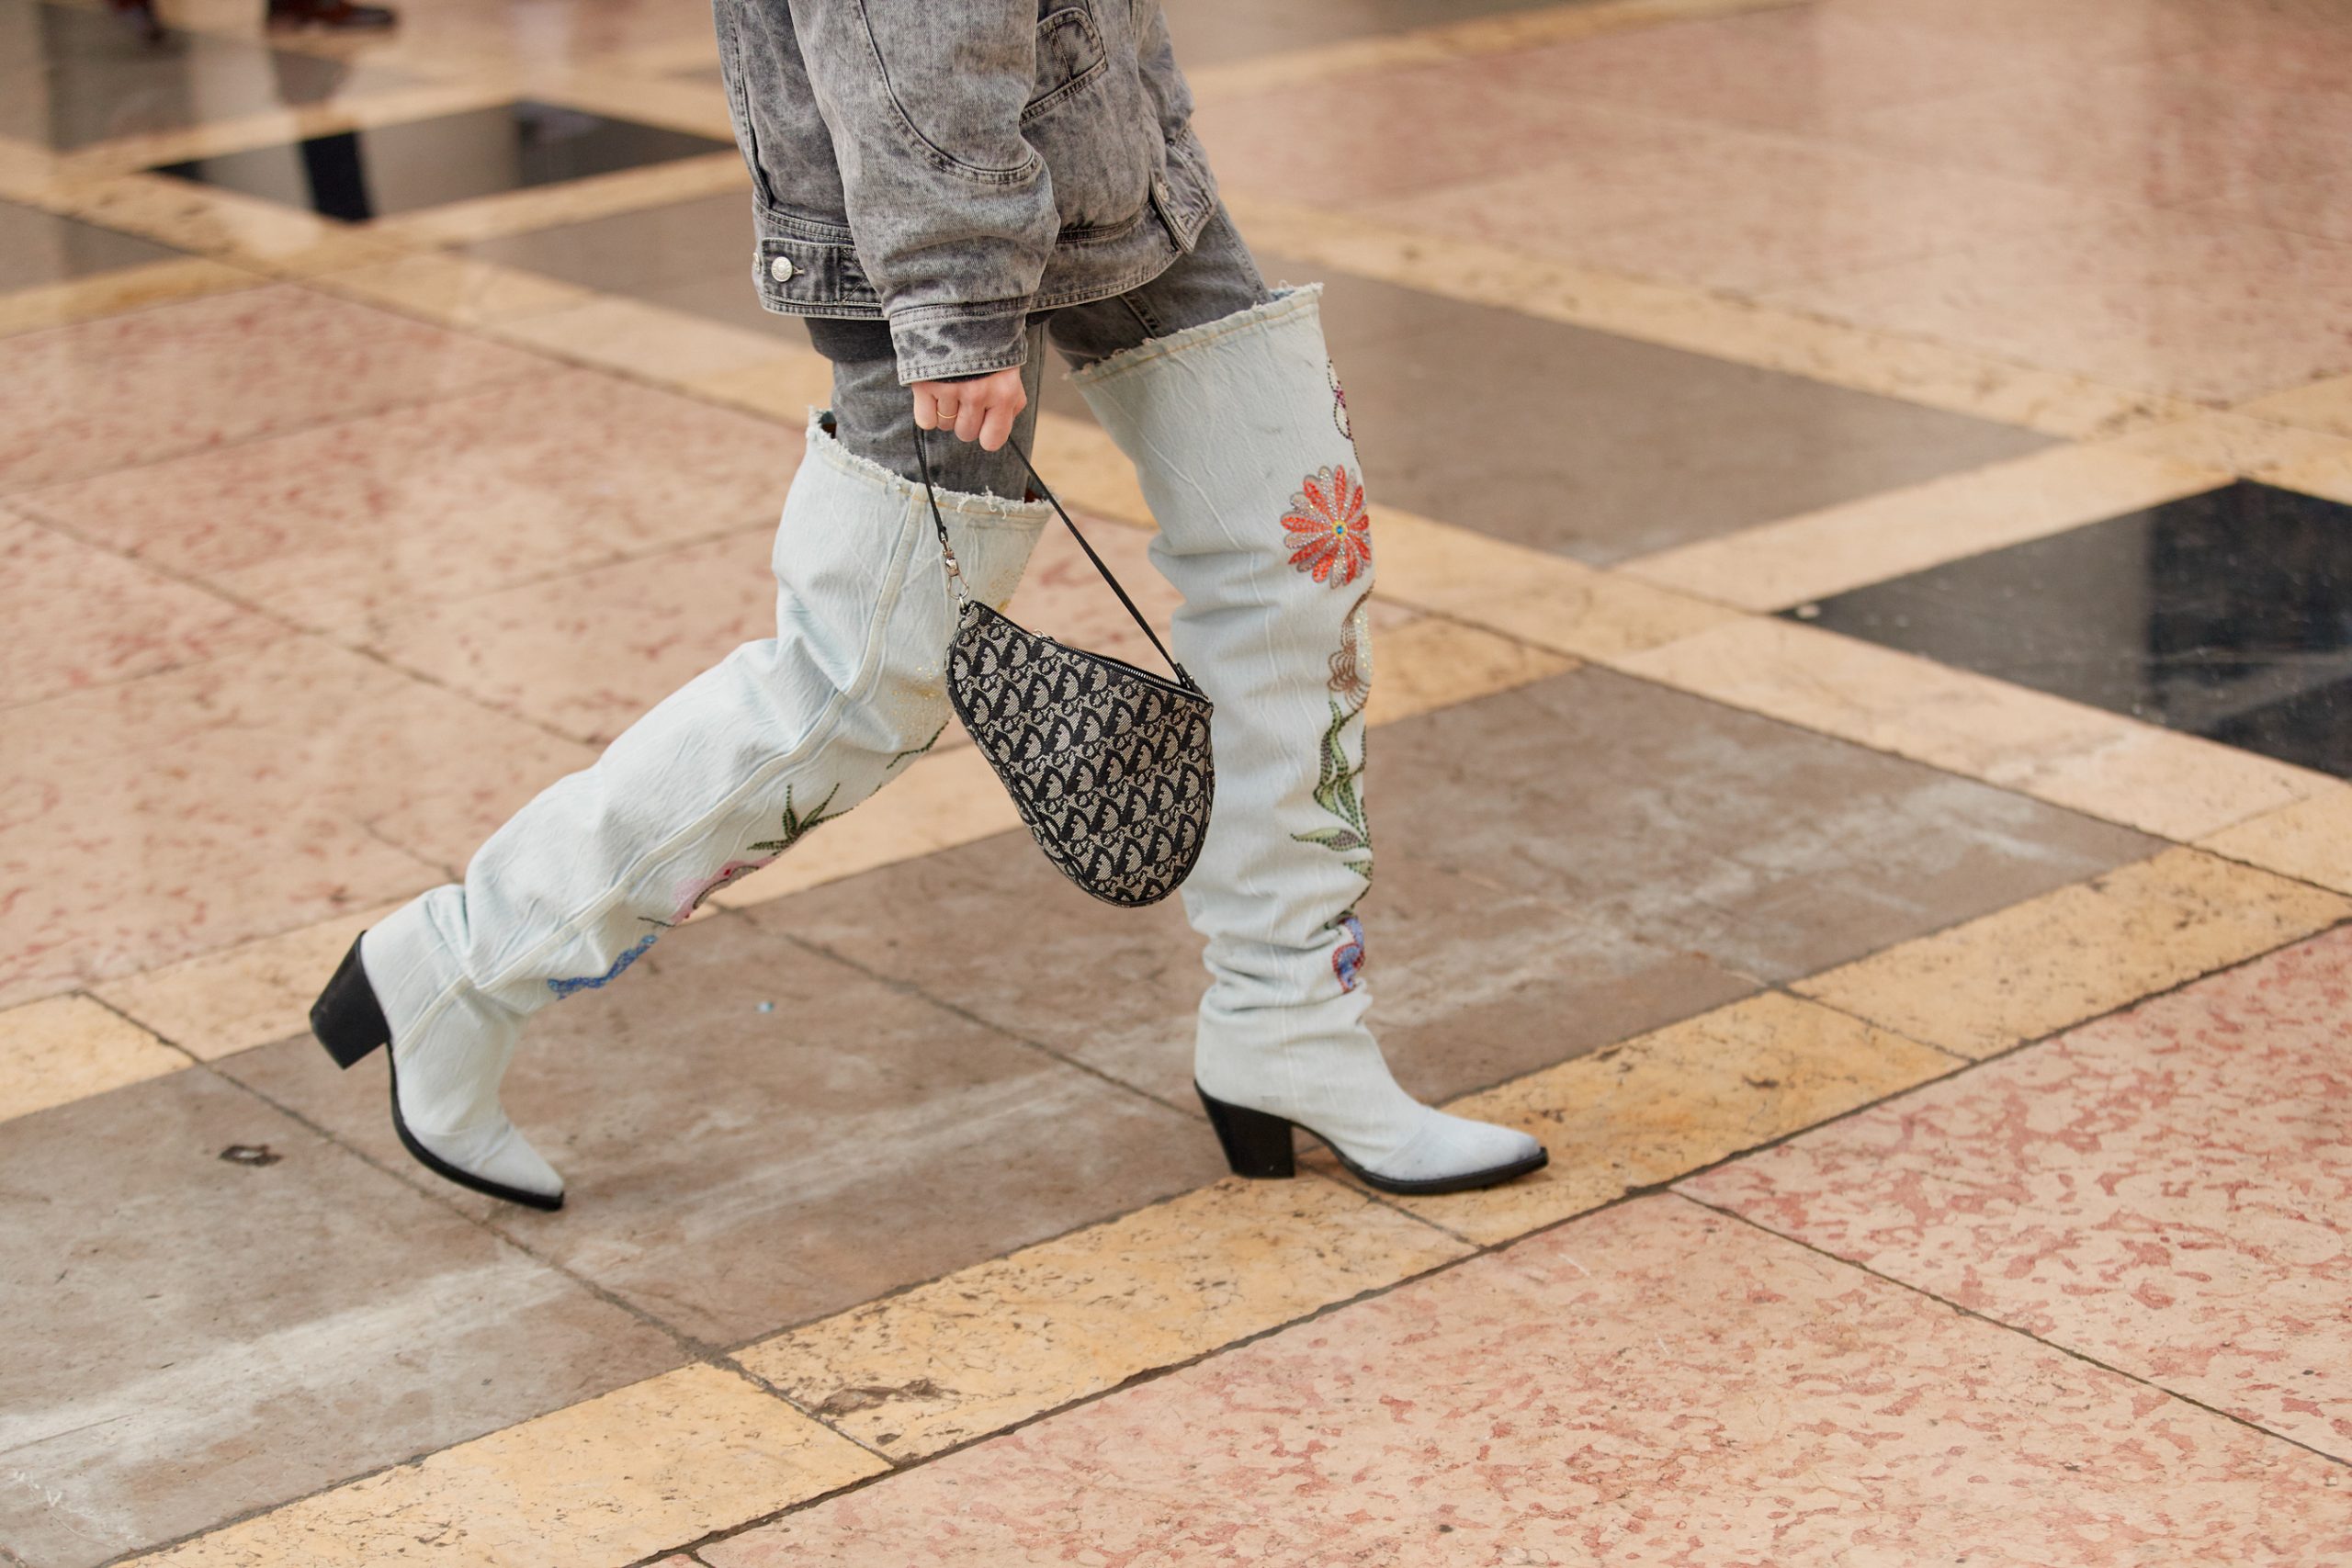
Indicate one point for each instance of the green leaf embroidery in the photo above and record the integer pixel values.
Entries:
(796, 827)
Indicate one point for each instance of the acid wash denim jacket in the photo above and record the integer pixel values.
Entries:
(955, 165)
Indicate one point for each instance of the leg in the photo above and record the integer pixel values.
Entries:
(1240, 436)
(717, 780)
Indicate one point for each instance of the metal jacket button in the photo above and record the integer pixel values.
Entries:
(781, 269)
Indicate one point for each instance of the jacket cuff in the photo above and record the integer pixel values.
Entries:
(942, 347)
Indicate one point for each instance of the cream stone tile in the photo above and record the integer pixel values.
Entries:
(2311, 840)
(218, 1003)
(2329, 476)
(597, 1484)
(1918, 371)
(1537, 597)
(455, 290)
(1002, 1341)
(573, 201)
(783, 387)
(2236, 444)
(2316, 405)
(643, 340)
(1430, 663)
(948, 798)
(62, 1048)
(2026, 971)
(2176, 785)
(1664, 1104)
(111, 293)
(637, 95)
(223, 224)
(1779, 564)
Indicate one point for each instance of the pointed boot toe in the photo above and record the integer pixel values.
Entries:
(491, 1157)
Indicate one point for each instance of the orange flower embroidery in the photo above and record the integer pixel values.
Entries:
(1329, 532)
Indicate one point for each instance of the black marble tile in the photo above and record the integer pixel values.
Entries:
(2226, 614)
(72, 75)
(358, 174)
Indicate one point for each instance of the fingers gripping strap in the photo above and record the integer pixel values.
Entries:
(955, 572)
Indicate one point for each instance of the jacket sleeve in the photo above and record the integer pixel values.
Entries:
(952, 210)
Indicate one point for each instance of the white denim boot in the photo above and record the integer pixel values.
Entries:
(1240, 437)
(721, 778)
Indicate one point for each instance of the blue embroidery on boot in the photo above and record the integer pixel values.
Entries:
(590, 982)
(1348, 962)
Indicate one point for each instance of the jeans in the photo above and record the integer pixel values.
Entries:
(875, 414)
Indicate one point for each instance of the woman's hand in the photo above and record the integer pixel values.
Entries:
(982, 409)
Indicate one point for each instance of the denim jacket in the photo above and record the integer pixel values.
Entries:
(955, 165)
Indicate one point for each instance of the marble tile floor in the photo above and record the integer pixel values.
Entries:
(1859, 759)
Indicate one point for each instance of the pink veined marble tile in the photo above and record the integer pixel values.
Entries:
(79, 616)
(588, 652)
(1652, 1385)
(331, 527)
(2170, 1190)
(148, 384)
(2186, 304)
(1358, 138)
(1743, 210)
(256, 792)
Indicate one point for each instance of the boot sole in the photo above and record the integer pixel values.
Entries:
(349, 1022)
(1257, 1145)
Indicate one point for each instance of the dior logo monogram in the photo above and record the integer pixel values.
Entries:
(1109, 767)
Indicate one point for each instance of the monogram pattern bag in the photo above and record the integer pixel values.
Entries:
(1108, 764)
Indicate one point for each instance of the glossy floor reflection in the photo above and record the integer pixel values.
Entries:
(2227, 614)
(354, 175)
(39, 247)
(71, 76)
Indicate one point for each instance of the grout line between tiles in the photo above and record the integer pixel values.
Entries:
(2007, 1328)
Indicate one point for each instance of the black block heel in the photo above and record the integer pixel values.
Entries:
(1256, 1144)
(346, 1018)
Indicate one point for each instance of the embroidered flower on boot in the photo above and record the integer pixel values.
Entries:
(1347, 963)
(1326, 528)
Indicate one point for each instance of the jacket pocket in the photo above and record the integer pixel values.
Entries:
(1070, 58)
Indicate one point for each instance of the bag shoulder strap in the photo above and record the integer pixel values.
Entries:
(955, 572)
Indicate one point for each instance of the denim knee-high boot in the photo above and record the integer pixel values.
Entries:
(1241, 438)
(718, 779)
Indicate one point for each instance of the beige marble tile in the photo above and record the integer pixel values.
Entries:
(1665, 1103)
(642, 340)
(340, 528)
(1429, 663)
(182, 813)
(112, 293)
(597, 1484)
(948, 798)
(1002, 1341)
(1935, 374)
(454, 291)
(222, 223)
(2175, 785)
(2329, 476)
(650, 98)
(2311, 840)
(2316, 405)
(80, 617)
(1539, 598)
(2236, 443)
(586, 653)
(62, 1048)
(573, 201)
(219, 1003)
(1779, 564)
(208, 372)
(2049, 962)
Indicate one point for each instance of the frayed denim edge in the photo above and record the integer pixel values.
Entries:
(1291, 299)
(964, 505)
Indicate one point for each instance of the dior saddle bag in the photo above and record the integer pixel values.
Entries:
(1108, 764)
